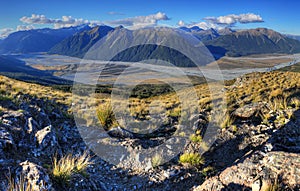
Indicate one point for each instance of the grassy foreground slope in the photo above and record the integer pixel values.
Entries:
(277, 91)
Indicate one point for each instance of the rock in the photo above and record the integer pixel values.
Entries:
(256, 185)
(200, 125)
(14, 118)
(46, 137)
(121, 133)
(212, 185)
(39, 115)
(248, 111)
(6, 140)
(257, 174)
(32, 125)
(286, 165)
(35, 175)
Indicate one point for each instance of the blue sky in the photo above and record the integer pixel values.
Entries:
(279, 15)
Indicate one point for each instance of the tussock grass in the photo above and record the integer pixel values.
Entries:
(196, 138)
(21, 185)
(106, 116)
(64, 168)
(156, 160)
(193, 159)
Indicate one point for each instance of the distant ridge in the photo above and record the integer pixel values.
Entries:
(78, 44)
(36, 40)
(77, 41)
(253, 41)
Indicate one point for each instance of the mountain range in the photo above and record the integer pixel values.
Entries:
(37, 40)
(253, 41)
(77, 45)
(77, 41)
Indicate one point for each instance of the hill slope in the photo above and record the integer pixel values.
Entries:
(18, 69)
(142, 45)
(36, 40)
(253, 41)
(78, 44)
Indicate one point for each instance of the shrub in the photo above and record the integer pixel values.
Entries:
(295, 102)
(176, 112)
(191, 158)
(156, 160)
(106, 116)
(208, 170)
(64, 168)
(227, 121)
(276, 93)
(196, 138)
(20, 185)
(272, 186)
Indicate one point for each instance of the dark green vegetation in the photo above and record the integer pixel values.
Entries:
(293, 68)
(151, 51)
(150, 90)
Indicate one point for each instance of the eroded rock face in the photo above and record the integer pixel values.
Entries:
(35, 175)
(46, 137)
(6, 140)
(248, 111)
(121, 133)
(285, 165)
(258, 174)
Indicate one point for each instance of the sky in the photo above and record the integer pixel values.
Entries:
(279, 15)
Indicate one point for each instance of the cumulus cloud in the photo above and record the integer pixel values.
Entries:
(206, 25)
(226, 21)
(233, 19)
(5, 32)
(141, 21)
(181, 23)
(65, 21)
(25, 27)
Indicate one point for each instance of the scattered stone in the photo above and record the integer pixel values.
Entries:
(35, 175)
(248, 111)
(6, 140)
(121, 133)
(46, 137)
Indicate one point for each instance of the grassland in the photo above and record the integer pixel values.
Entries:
(270, 87)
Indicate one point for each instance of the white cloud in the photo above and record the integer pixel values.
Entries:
(115, 13)
(65, 21)
(233, 19)
(25, 27)
(225, 21)
(141, 21)
(5, 32)
(36, 19)
(205, 25)
(181, 23)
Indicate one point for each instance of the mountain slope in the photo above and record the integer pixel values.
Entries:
(253, 41)
(296, 37)
(175, 46)
(18, 69)
(78, 44)
(36, 40)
